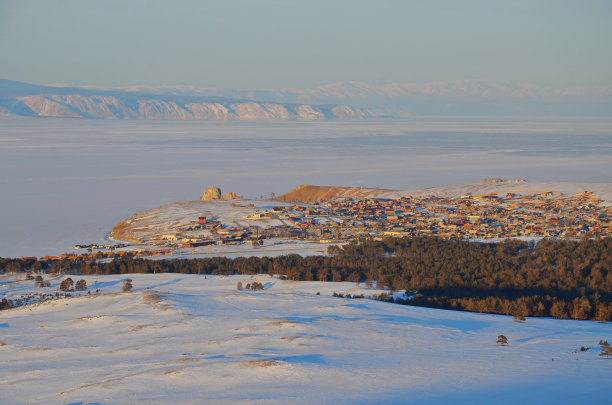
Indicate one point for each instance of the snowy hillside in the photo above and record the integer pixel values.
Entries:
(195, 338)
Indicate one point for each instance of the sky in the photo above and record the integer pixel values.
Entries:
(251, 44)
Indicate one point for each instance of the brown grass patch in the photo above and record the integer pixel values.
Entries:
(262, 363)
(309, 194)
(151, 298)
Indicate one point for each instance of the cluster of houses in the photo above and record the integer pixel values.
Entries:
(478, 216)
(482, 216)
(485, 216)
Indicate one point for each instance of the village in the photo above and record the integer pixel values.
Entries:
(486, 216)
(492, 216)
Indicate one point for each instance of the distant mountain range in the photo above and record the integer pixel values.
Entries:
(28, 100)
(344, 100)
(440, 98)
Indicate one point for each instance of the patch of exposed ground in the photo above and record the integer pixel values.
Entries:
(309, 194)
(261, 363)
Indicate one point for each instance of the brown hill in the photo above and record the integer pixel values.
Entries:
(309, 194)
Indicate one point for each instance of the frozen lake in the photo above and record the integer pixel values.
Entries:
(67, 181)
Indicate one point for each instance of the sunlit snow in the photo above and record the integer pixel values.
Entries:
(195, 338)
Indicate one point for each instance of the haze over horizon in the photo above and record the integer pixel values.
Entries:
(252, 45)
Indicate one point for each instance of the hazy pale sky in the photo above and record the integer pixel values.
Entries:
(251, 44)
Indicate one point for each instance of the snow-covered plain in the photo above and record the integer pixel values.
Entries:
(69, 181)
(195, 338)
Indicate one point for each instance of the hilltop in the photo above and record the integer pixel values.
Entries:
(309, 194)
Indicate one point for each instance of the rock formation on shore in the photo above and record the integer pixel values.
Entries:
(230, 195)
(214, 193)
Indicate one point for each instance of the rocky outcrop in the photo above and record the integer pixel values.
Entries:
(214, 193)
(211, 193)
(230, 195)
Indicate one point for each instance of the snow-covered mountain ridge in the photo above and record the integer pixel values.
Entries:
(342, 100)
(21, 99)
(438, 98)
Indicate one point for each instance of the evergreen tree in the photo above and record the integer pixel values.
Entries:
(606, 350)
(80, 285)
(502, 340)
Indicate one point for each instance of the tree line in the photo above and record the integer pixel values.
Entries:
(558, 278)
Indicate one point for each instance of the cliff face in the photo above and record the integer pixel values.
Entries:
(20, 99)
(76, 105)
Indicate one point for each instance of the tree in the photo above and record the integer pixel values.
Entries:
(606, 350)
(66, 285)
(39, 281)
(37, 266)
(127, 284)
(13, 267)
(502, 340)
(558, 310)
(5, 304)
(80, 285)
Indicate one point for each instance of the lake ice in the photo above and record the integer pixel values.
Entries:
(68, 181)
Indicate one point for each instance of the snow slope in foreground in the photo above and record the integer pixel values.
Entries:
(193, 339)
